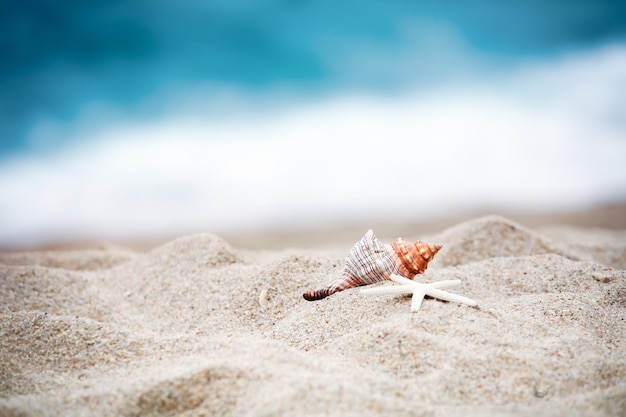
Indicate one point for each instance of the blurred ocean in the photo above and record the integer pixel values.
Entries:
(127, 119)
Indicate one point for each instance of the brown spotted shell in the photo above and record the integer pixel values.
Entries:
(370, 262)
(412, 257)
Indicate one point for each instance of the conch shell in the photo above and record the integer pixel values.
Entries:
(370, 262)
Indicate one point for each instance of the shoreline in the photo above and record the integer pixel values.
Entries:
(609, 216)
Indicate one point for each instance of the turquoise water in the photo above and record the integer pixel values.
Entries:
(139, 119)
(58, 59)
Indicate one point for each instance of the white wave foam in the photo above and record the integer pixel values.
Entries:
(549, 135)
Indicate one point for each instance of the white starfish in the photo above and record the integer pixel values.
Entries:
(419, 290)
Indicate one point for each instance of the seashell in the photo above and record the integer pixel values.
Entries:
(370, 261)
(263, 298)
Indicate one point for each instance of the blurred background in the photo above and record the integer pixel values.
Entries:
(128, 120)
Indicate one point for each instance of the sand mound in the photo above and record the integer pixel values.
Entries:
(195, 327)
(490, 237)
(34, 341)
(202, 251)
(495, 236)
(80, 260)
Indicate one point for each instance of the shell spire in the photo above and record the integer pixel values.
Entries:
(369, 262)
(412, 258)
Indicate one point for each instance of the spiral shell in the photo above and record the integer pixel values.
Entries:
(370, 262)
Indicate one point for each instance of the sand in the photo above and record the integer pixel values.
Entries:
(197, 327)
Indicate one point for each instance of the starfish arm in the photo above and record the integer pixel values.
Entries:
(401, 280)
(447, 296)
(390, 289)
(418, 297)
(448, 283)
(408, 289)
(419, 290)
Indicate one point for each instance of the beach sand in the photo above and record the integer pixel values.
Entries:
(199, 327)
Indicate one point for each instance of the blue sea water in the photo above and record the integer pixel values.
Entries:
(57, 58)
(143, 117)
